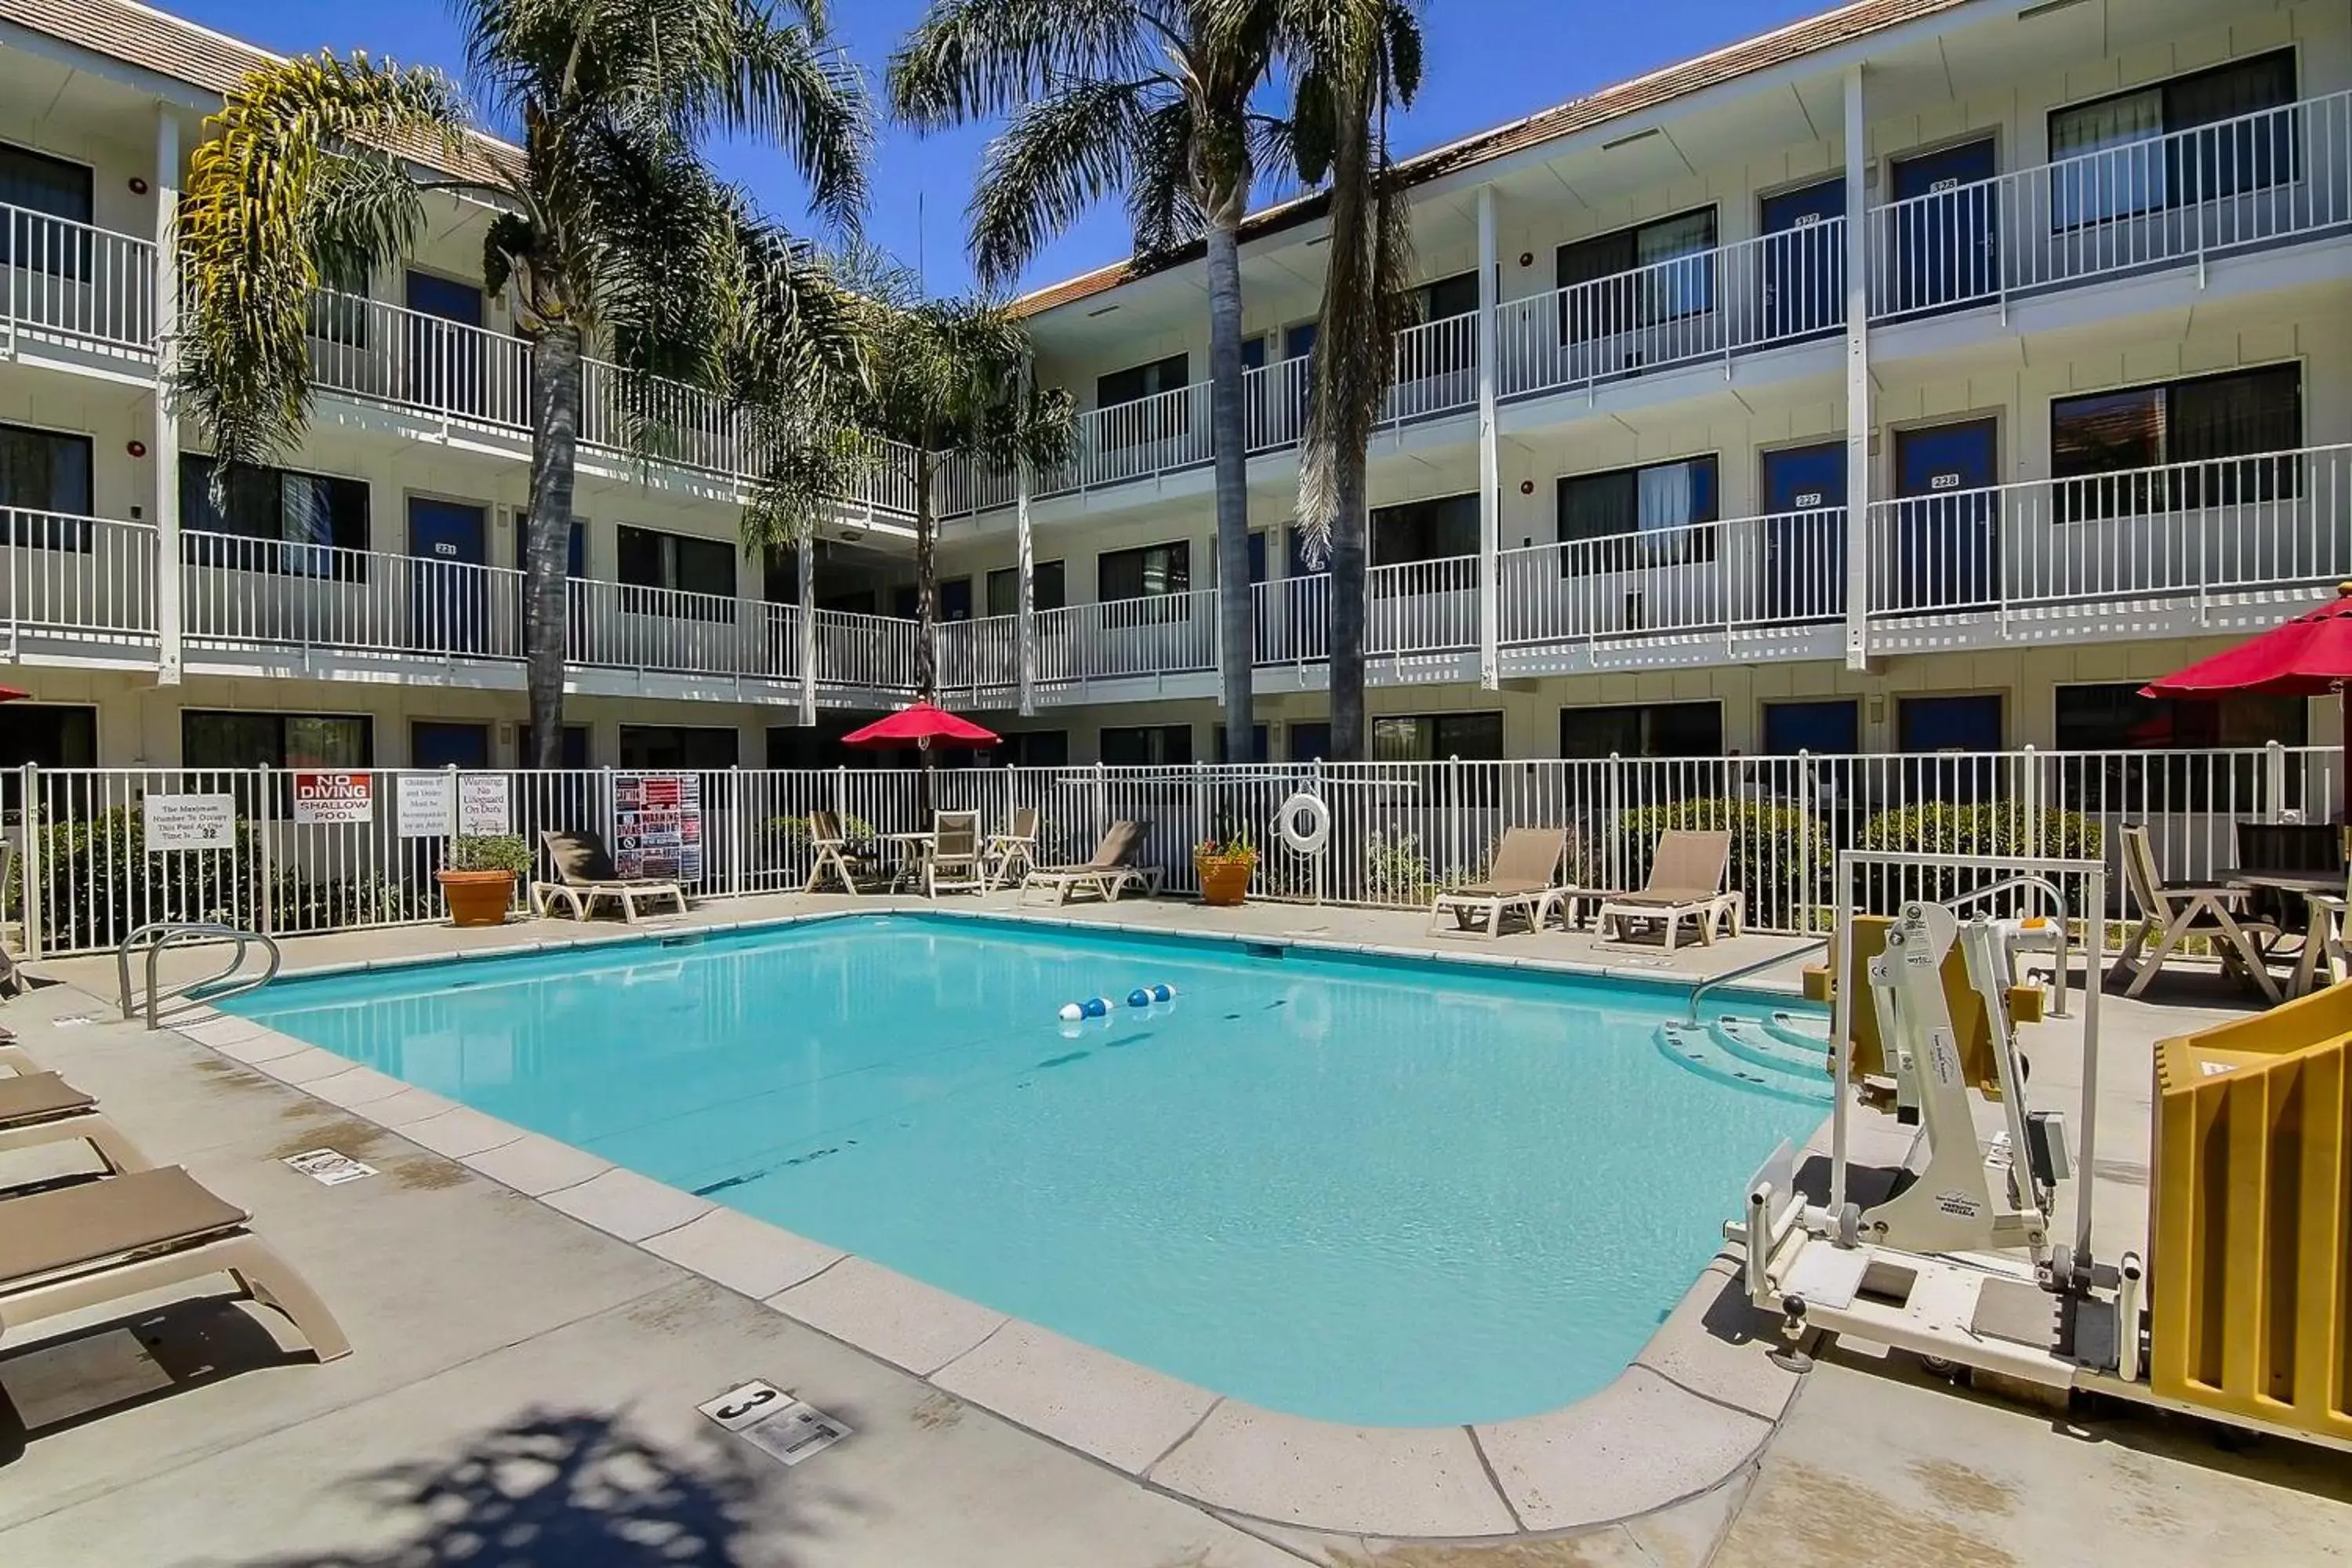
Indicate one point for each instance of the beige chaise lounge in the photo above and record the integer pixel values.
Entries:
(1112, 870)
(587, 874)
(1686, 884)
(2170, 914)
(98, 1242)
(39, 1108)
(1523, 880)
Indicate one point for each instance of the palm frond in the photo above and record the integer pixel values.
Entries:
(1160, 207)
(793, 87)
(1056, 157)
(970, 59)
(286, 193)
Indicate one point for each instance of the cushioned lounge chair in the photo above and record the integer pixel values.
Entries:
(39, 1108)
(86, 1246)
(1686, 884)
(1110, 872)
(586, 874)
(1524, 880)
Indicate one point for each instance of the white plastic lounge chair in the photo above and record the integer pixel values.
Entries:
(39, 1108)
(107, 1241)
(587, 874)
(2168, 914)
(1111, 871)
(1017, 846)
(1686, 884)
(1523, 880)
(953, 863)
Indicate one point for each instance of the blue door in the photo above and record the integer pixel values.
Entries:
(448, 598)
(1957, 737)
(1945, 544)
(1831, 727)
(1946, 243)
(433, 743)
(1804, 269)
(444, 357)
(1804, 532)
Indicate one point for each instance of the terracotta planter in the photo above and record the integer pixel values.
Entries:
(1224, 882)
(477, 898)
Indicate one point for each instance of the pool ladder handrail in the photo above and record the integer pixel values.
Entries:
(157, 935)
(1974, 895)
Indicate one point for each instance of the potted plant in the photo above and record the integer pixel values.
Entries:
(1224, 862)
(478, 874)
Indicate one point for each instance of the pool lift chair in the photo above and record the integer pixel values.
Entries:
(1934, 1268)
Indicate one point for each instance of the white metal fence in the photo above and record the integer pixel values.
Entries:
(71, 285)
(1400, 830)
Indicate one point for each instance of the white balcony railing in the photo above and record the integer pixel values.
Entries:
(2277, 174)
(864, 653)
(68, 581)
(70, 284)
(982, 656)
(1165, 634)
(1756, 294)
(2274, 523)
(1782, 570)
(244, 593)
(620, 625)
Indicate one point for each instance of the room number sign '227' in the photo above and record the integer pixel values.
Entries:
(320, 796)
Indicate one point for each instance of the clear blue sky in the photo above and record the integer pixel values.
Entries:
(1489, 61)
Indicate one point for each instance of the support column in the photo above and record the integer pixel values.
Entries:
(163, 448)
(1025, 614)
(1490, 478)
(805, 568)
(1857, 377)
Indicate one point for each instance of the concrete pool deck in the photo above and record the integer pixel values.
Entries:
(517, 1247)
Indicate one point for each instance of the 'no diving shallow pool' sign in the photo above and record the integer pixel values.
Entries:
(322, 797)
(774, 1422)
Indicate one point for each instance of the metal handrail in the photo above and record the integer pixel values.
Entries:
(157, 935)
(1745, 970)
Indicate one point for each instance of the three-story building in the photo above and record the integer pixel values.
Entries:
(1923, 376)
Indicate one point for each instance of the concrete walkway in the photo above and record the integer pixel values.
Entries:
(527, 1382)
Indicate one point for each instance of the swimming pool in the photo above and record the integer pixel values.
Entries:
(1382, 1192)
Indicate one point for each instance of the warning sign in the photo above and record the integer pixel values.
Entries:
(190, 822)
(321, 797)
(657, 826)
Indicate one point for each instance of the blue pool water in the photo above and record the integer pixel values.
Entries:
(1381, 1192)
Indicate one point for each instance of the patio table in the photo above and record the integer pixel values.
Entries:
(2322, 896)
(910, 849)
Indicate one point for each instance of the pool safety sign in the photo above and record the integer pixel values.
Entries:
(427, 804)
(774, 1422)
(485, 805)
(190, 822)
(657, 826)
(328, 797)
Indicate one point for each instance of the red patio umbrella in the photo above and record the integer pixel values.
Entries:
(10, 694)
(921, 725)
(2309, 656)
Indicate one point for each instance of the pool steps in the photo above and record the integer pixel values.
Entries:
(1708, 1051)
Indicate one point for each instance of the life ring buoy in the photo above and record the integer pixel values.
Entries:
(1315, 834)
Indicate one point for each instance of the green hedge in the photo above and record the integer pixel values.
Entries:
(1944, 827)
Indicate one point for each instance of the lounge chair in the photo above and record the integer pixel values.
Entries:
(953, 863)
(586, 874)
(1523, 880)
(39, 1108)
(1112, 870)
(2169, 914)
(1017, 846)
(1686, 884)
(829, 853)
(96, 1242)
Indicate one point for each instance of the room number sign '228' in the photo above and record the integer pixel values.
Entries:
(322, 797)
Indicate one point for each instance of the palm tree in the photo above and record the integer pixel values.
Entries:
(1150, 98)
(612, 232)
(1350, 60)
(946, 379)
